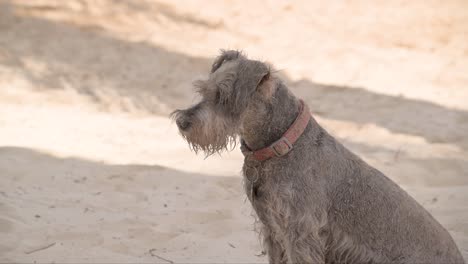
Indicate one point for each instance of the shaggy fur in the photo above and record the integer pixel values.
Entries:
(320, 203)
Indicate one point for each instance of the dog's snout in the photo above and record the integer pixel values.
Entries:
(183, 124)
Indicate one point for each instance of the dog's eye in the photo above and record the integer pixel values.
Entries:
(220, 97)
(217, 96)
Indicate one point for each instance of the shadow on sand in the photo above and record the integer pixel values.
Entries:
(117, 210)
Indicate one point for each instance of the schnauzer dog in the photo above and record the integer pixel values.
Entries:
(316, 201)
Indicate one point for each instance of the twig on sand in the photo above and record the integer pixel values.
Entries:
(397, 155)
(151, 251)
(40, 248)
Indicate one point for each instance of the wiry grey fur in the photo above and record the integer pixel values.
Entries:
(320, 203)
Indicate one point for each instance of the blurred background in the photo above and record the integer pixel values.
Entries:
(93, 170)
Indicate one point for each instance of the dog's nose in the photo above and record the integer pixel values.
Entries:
(183, 124)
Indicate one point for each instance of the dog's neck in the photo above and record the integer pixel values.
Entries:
(282, 114)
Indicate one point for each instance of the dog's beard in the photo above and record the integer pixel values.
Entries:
(209, 132)
(212, 137)
(211, 142)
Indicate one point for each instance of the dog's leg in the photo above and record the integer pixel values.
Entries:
(276, 253)
(306, 249)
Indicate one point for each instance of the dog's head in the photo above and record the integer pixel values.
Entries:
(236, 87)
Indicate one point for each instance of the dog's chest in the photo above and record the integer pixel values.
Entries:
(265, 191)
(253, 179)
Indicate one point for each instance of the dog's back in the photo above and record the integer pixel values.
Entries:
(369, 218)
(371, 213)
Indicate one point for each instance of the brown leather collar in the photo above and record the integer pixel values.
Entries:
(285, 144)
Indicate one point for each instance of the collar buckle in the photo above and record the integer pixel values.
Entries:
(281, 147)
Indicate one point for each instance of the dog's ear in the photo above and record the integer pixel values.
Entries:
(249, 75)
(226, 55)
(266, 87)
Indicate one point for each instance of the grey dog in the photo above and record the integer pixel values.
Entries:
(316, 201)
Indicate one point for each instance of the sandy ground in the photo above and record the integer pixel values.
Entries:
(92, 170)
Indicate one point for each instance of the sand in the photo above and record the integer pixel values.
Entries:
(92, 170)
